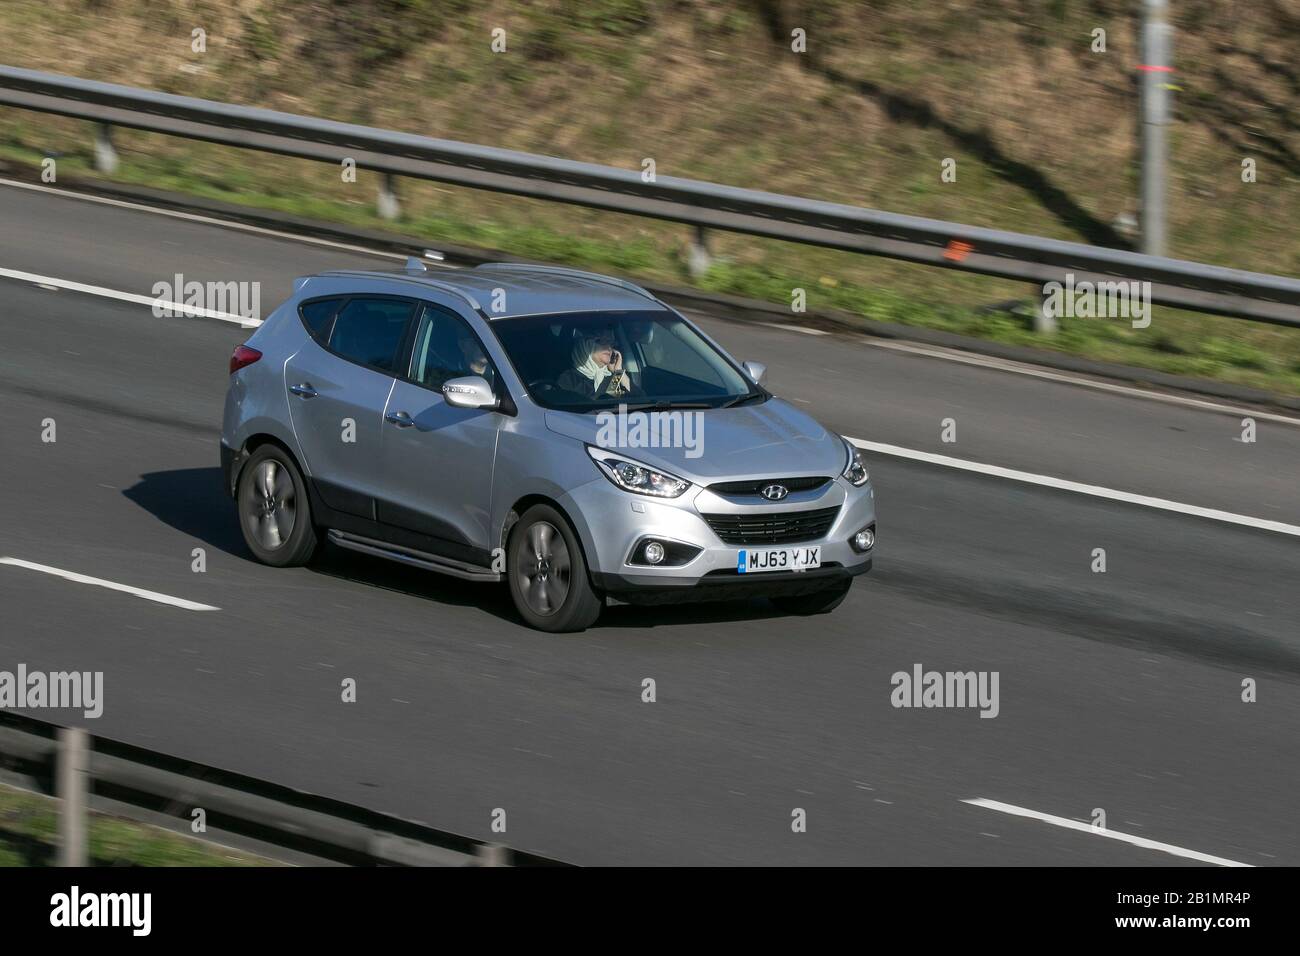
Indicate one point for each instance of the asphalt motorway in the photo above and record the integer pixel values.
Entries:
(1119, 691)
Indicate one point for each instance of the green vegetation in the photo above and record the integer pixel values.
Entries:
(29, 837)
(1042, 129)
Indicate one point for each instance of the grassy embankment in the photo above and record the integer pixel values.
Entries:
(29, 837)
(1042, 129)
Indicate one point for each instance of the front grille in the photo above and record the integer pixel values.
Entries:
(780, 527)
(756, 485)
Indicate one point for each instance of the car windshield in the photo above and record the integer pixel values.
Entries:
(585, 361)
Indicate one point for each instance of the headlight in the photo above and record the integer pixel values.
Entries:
(635, 477)
(856, 472)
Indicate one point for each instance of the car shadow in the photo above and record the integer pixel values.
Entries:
(375, 572)
(702, 612)
(193, 501)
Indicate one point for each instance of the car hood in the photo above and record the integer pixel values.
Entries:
(772, 440)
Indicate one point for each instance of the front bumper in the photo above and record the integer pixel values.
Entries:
(722, 585)
(611, 521)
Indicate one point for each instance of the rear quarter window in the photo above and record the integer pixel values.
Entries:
(316, 316)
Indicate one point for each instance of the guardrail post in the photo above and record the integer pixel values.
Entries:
(70, 787)
(389, 208)
(492, 854)
(105, 154)
(698, 259)
(1044, 324)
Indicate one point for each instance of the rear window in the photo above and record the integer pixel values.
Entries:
(371, 331)
(316, 315)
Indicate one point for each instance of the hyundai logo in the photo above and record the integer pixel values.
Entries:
(775, 492)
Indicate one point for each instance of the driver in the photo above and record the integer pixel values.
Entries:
(597, 370)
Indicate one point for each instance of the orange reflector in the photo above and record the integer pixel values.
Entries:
(957, 251)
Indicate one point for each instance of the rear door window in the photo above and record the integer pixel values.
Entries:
(371, 331)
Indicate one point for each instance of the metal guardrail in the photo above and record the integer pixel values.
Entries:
(72, 763)
(1008, 255)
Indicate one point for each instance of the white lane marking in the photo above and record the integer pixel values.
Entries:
(209, 220)
(1034, 371)
(1096, 491)
(1109, 834)
(795, 328)
(99, 290)
(111, 585)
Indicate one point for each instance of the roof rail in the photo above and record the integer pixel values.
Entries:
(404, 276)
(563, 271)
(416, 264)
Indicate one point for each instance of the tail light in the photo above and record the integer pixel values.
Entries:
(242, 356)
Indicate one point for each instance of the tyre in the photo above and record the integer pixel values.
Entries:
(548, 574)
(819, 602)
(274, 511)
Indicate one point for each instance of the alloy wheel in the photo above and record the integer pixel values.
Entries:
(543, 569)
(270, 501)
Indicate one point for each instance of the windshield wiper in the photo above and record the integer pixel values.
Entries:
(742, 399)
(663, 406)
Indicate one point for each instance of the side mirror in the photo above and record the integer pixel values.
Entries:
(471, 391)
(755, 370)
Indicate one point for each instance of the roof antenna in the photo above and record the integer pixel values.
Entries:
(413, 264)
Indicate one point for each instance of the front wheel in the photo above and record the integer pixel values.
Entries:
(819, 602)
(274, 513)
(548, 575)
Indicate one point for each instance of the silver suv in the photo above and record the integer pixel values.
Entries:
(566, 432)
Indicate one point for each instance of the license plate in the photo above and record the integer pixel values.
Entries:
(755, 560)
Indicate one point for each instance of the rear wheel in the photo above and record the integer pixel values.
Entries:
(274, 512)
(548, 574)
(819, 602)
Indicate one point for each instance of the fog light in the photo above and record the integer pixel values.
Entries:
(654, 552)
(864, 539)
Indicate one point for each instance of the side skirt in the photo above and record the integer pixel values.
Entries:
(419, 559)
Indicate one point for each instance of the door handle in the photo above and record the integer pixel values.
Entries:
(304, 389)
(400, 419)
